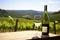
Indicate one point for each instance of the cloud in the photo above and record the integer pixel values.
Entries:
(50, 2)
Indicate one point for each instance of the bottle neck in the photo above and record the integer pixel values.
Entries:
(46, 18)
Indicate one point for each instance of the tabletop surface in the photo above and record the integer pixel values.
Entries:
(21, 35)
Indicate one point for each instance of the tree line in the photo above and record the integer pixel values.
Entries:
(3, 13)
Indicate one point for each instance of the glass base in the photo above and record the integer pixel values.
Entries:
(45, 36)
(36, 37)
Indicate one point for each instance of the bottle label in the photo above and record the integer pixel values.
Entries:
(44, 29)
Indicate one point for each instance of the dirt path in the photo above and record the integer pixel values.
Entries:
(22, 35)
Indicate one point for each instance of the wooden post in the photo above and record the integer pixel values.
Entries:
(16, 25)
(54, 28)
(33, 26)
(55, 22)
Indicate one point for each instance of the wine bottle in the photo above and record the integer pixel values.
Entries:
(45, 23)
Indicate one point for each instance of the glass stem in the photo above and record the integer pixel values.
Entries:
(37, 32)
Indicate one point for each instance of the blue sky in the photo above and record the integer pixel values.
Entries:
(53, 5)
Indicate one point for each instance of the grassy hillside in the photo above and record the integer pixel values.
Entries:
(28, 14)
(31, 13)
(55, 16)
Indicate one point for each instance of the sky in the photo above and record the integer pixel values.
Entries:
(38, 5)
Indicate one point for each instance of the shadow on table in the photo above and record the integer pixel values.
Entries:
(48, 38)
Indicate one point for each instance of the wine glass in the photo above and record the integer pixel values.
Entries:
(37, 22)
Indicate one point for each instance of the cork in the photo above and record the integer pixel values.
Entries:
(45, 7)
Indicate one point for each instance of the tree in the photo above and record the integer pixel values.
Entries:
(3, 13)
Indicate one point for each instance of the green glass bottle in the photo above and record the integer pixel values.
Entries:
(45, 24)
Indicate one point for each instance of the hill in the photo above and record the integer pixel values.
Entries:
(28, 14)
(55, 16)
(19, 13)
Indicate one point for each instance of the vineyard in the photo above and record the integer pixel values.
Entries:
(8, 25)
